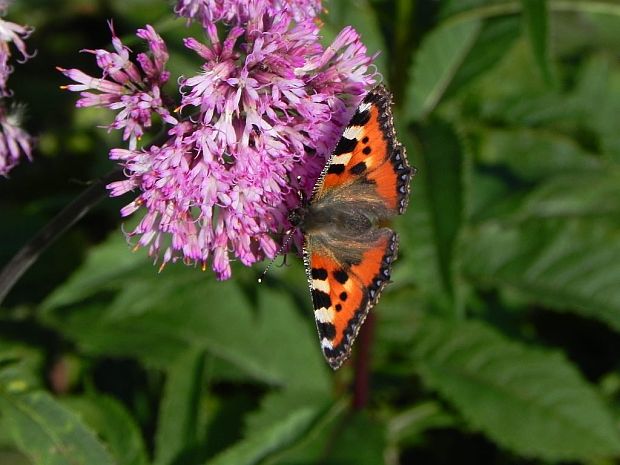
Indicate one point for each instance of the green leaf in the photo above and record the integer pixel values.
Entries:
(277, 404)
(359, 429)
(443, 175)
(436, 63)
(592, 195)
(49, 433)
(280, 435)
(533, 154)
(20, 366)
(493, 42)
(408, 425)
(107, 267)
(530, 401)
(566, 265)
(110, 419)
(536, 21)
(178, 416)
(158, 317)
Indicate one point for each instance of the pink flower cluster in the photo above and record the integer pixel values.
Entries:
(236, 12)
(265, 110)
(15, 143)
(133, 90)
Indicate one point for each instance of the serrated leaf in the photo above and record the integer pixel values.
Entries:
(536, 19)
(177, 424)
(591, 194)
(435, 65)
(278, 436)
(530, 401)
(114, 425)
(49, 433)
(566, 265)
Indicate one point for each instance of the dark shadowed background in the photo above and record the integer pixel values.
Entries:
(497, 343)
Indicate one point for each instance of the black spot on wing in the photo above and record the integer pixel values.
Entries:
(319, 273)
(341, 276)
(343, 296)
(365, 140)
(338, 307)
(321, 299)
(359, 168)
(345, 146)
(360, 118)
(366, 150)
(326, 330)
(335, 168)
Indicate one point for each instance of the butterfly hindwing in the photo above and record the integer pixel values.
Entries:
(343, 293)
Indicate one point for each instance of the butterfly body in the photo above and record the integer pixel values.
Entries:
(348, 247)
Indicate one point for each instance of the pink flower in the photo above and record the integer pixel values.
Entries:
(14, 141)
(267, 106)
(134, 90)
(15, 34)
(210, 11)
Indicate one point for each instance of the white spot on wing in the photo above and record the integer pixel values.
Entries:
(326, 343)
(342, 159)
(353, 132)
(324, 315)
(364, 107)
(321, 285)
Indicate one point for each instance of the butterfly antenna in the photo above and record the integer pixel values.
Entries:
(284, 245)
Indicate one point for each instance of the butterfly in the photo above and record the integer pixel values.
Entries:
(348, 249)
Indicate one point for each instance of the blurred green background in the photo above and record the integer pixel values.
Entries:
(497, 343)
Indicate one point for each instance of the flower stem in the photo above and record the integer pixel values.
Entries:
(361, 391)
(70, 215)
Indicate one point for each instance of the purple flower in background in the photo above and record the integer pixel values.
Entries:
(14, 141)
(267, 106)
(132, 89)
(10, 33)
(236, 11)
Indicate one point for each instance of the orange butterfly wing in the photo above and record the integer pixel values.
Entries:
(342, 296)
(348, 253)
